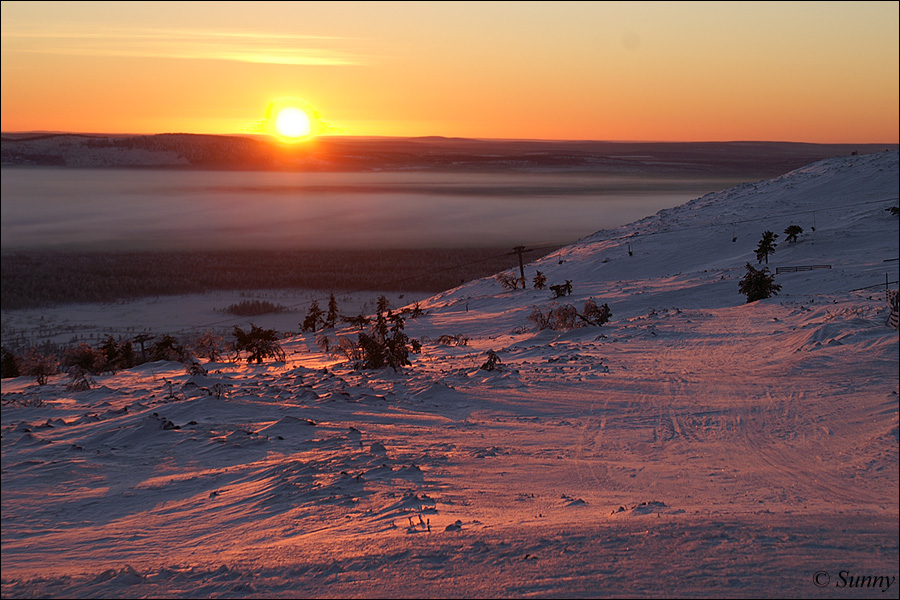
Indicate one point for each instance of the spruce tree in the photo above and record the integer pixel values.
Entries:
(792, 232)
(258, 343)
(313, 317)
(332, 317)
(385, 344)
(758, 284)
(766, 246)
(9, 364)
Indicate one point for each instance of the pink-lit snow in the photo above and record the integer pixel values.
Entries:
(694, 446)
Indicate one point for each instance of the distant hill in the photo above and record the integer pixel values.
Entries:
(191, 151)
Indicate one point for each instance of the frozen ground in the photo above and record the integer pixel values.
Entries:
(694, 446)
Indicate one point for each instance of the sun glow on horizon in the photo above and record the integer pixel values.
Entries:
(291, 120)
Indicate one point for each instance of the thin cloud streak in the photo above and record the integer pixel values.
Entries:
(249, 47)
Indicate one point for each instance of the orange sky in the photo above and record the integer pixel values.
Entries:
(677, 71)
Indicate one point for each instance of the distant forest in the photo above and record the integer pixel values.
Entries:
(744, 160)
(40, 279)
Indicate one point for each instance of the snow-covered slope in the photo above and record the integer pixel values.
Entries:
(693, 255)
(693, 446)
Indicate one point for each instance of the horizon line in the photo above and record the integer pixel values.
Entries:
(50, 133)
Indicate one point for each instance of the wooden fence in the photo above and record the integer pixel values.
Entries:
(800, 268)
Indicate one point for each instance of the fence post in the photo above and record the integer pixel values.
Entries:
(519, 250)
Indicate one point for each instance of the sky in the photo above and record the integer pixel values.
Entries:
(823, 72)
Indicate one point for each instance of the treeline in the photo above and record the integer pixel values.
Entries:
(745, 160)
(210, 151)
(47, 278)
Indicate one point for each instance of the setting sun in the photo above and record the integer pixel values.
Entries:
(291, 119)
(292, 122)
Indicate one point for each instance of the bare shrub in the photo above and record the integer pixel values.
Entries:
(453, 340)
(196, 368)
(595, 315)
(561, 290)
(23, 400)
(349, 349)
(558, 318)
(508, 281)
(537, 317)
(84, 358)
(209, 345)
(79, 380)
(38, 365)
(563, 318)
(566, 317)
